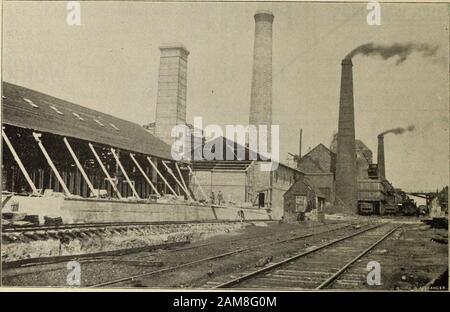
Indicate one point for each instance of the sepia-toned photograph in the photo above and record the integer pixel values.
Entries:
(268, 146)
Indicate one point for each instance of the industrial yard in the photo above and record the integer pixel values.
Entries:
(96, 199)
(260, 255)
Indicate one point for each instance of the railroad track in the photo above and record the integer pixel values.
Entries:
(215, 257)
(317, 268)
(112, 224)
(163, 248)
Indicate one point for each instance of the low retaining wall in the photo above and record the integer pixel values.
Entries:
(76, 210)
(117, 211)
(19, 248)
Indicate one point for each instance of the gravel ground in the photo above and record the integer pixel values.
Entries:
(197, 276)
(95, 271)
(409, 259)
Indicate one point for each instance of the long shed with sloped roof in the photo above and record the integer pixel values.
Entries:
(26, 112)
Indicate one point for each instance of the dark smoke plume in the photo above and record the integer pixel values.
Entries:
(398, 131)
(401, 50)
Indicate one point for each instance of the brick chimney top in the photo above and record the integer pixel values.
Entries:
(174, 46)
(347, 61)
(263, 15)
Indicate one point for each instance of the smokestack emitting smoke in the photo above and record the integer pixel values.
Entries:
(346, 158)
(398, 130)
(261, 93)
(401, 50)
(380, 157)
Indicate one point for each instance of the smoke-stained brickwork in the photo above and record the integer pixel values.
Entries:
(346, 158)
(380, 157)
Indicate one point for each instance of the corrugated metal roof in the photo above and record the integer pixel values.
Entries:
(30, 109)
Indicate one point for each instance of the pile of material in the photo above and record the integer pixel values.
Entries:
(18, 219)
(166, 199)
(437, 223)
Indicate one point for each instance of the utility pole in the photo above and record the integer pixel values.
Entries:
(300, 148)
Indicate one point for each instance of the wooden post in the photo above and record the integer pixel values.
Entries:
(77, 183)
(179, 183)
(41, 178)
(162, 177)
(143, 173)
(181, 176)
(113, 151)
(108, 177)
(71, 181)
(50, 162)
(19, 163)
(185, 186)
(80, 167)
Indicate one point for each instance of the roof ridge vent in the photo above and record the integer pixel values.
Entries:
(56, 110)
(114, 126)
(78, 116)
(31, 102)
(99, 122)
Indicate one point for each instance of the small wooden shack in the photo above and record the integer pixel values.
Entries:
(302, 196)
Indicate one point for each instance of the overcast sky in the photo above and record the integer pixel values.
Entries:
(110, 63)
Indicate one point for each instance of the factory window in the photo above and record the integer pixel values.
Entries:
(30, 102)
(114, 126)
(56, 110)
(78, 116)
(99, 123)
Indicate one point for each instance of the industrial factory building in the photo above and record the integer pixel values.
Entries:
(374, 192)
(60, 150)
(182, 187)
(242, 182)
(90, 166)
(34, 121)
(319, 166)
(86, 166)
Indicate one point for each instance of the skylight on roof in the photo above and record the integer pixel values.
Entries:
(99, 123)
(114, 126)
(31, 103)
(78, 116)
(56, 110)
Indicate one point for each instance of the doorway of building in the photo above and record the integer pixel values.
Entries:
(261, 200)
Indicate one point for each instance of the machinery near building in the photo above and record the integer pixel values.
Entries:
(371, 196)
(409, 207)
(376, 195)
(379, 197)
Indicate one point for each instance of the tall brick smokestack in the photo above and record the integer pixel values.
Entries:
(346, 158)
(172, 85)
(380, 157)
(261, 94)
